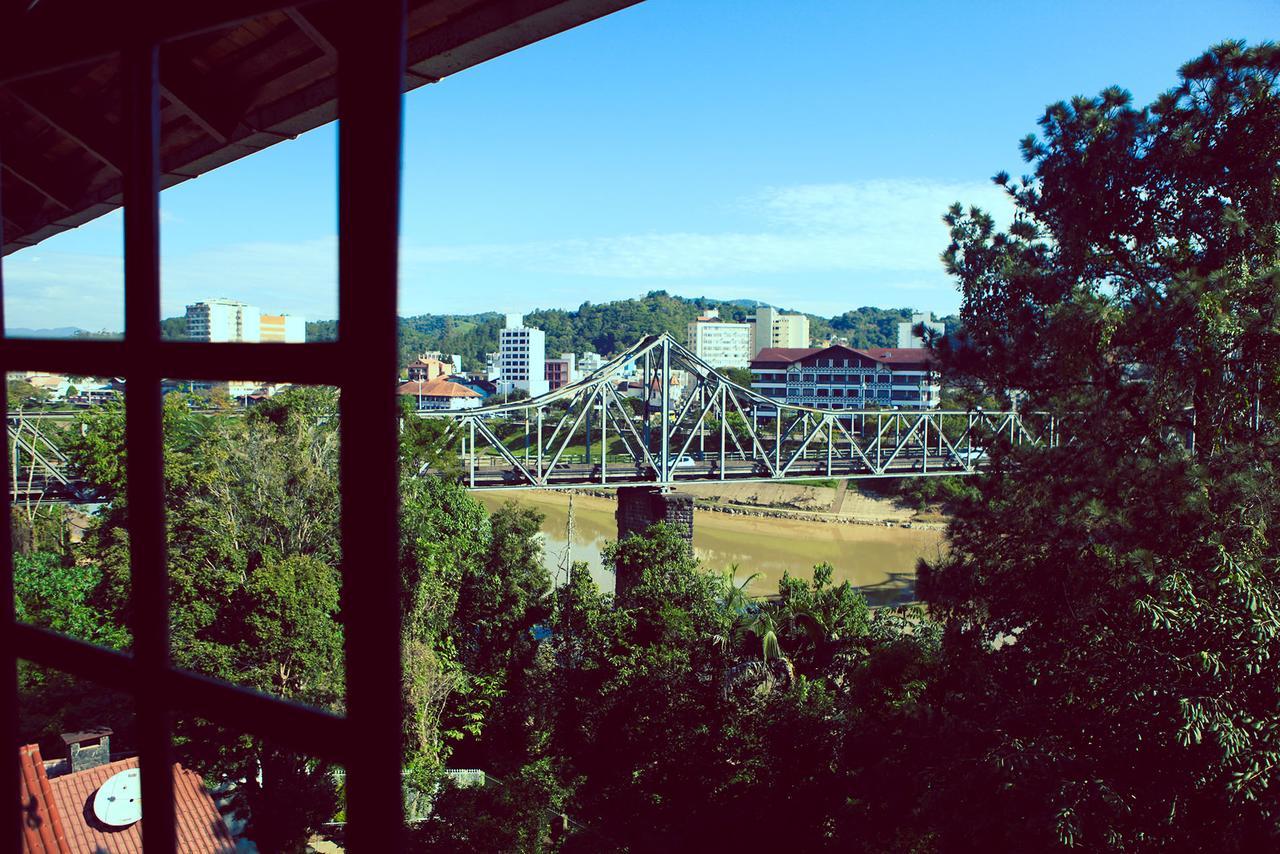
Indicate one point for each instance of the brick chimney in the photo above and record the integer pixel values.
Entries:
(87, 749)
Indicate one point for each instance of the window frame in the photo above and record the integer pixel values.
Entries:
(367, 740)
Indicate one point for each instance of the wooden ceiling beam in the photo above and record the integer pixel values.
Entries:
(69, 122)
(10, 227)
(184, 86)
(26, 173)
(312, 31)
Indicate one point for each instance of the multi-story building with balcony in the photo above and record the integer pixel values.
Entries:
(720, 343)
(222, 321)
(522, 357)
(841, 377)
(772, 329)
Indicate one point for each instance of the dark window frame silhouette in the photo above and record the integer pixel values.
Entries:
(367, 739)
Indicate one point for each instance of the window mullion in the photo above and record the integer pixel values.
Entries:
(11, 812)
(371, 65)
(144, 439)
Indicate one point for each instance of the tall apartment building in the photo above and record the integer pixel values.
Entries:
(284, 328)
(772, 328)
(907, 337)
(223, 320)
(522, 358)
(720, 343)
(841, 377)
(227, 320)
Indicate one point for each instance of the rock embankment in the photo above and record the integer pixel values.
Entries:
(799, 502)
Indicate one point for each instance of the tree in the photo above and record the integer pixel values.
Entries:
(1111, 605)
(741, 376)
(23, 393)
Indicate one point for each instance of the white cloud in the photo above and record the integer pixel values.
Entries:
(881, 237)
(877, 226)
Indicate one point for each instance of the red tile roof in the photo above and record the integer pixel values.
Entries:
(436, 388)
(58, 814)
(899, 355)
(784, 355)
(42, 831)
(892, 356)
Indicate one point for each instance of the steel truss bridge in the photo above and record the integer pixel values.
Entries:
(39, 470)
(595, 433)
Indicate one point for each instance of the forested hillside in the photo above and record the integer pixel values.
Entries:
(602, 328)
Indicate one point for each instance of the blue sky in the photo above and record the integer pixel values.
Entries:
(799, 153)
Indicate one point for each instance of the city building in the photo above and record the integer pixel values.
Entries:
(56, 385)
(590, 362)
(720, 343)
(439, 394)
(81, 803)
(492, 367)
(908, 330)
(222, 321)
(96, 393)
(453, 361)
(426, 368)
(227, 320)
(560, 372)
(841, 377)
(773, 329)
(521, 358)
(282, 328)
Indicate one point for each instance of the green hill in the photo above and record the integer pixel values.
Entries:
(603, 328)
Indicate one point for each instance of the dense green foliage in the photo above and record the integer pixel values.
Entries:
(1139, 282)
(254, 568)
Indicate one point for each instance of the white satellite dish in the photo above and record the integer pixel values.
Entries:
(119, 800)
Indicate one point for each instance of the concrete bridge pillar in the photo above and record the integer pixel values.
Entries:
(639, 507)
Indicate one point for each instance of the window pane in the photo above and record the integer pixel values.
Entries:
(78, 753)
(249, 251)
(267, 794)
(251, 478)
(60, 186)
(71, 558)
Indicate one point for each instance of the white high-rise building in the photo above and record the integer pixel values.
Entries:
(907, 337)
(720, 343)
(222, 321)
(522, 358)
(775, 329)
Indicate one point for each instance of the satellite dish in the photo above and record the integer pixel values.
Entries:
(119, 800)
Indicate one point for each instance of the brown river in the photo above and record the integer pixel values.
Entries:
(880, 560)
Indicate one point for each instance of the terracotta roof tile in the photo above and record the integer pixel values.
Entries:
(436, 388)
(201, 829)
(778, 356)
(784, 354)
(42, 830)
(899, 355)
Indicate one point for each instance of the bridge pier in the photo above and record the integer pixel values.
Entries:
(639, 507)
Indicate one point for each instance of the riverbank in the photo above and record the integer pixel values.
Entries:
(879, 559)
(802, 503)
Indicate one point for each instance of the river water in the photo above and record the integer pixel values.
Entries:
(881, 560)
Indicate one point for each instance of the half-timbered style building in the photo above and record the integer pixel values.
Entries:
(840, 377)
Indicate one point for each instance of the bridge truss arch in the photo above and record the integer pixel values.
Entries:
(659, 415)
